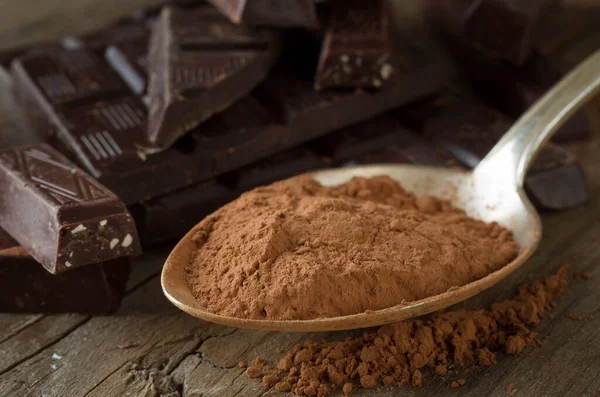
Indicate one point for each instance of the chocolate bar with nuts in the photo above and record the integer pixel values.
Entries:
(357, 52)
(60, 215)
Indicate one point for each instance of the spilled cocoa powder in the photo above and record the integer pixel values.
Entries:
(401, 353)
(299, 250)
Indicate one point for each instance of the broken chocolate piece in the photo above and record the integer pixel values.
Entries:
(502, 28)
(469, 130)
(274, 13)
(60, 215)
(27, 288)
(199, 65)
(356, 52)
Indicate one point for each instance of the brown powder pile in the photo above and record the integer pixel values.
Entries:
(299, 250)
(396, 354)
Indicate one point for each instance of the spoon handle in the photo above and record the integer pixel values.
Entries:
(511, 156)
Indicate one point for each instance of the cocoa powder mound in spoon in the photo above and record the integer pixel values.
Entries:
(398, 354)
(298, 250)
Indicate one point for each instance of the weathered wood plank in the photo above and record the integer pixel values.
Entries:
(22, 336)
(10, 324)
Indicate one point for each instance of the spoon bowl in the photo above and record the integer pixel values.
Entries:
(493, 191)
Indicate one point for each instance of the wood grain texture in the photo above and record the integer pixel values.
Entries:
(149, 348)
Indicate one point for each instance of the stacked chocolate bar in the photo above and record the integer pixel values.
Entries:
(179, 110)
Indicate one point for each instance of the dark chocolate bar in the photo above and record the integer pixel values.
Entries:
(60, 215)
(502, 28)
(107, 137)
(274, 13)
(200, 63)
(469, 130)
(357, 52)
(169, 217)
(27, 288)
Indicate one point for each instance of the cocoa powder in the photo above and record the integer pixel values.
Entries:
(299, 250)
(399, 354)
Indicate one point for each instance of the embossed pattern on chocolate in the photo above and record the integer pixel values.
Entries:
(200, 63)
(59, 214)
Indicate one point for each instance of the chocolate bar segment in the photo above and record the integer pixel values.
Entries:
(200, 64)
(273, 13)
(60, 215)
(502, 28)
(469, 130)
(356, 52)
(27, 288)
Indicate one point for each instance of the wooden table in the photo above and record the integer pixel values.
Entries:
(149, 348)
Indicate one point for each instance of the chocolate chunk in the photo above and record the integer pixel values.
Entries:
(199, 65)
(275, 13)
(356, 51)
(59, 214)
(27, 288)
(469, 130)
(502, 28)
(65, 77)
(107, 137)
(171, 216)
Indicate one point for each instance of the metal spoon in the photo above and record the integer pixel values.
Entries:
(493, 192)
